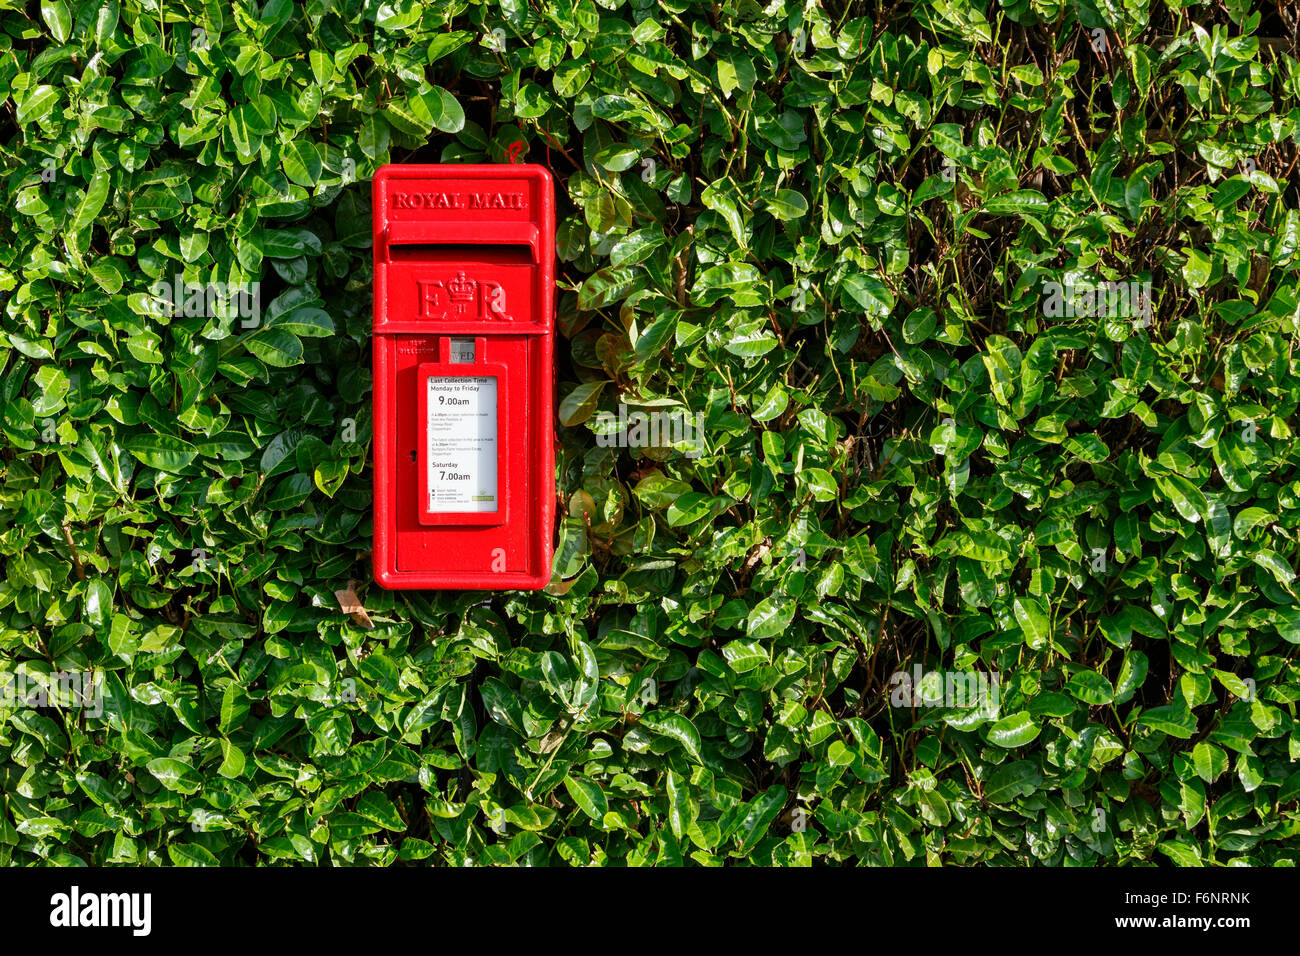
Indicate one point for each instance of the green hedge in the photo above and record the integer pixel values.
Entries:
(851, 238)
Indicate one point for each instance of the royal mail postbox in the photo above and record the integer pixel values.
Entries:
(464, 378)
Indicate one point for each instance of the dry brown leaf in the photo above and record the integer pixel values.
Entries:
(351, 605)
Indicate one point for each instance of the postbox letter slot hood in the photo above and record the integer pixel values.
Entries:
(463, 233)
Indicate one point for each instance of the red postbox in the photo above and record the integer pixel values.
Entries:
(464, 378)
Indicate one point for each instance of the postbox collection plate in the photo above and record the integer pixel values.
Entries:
(464, 328)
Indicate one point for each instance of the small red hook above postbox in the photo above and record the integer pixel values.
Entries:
(463, 347)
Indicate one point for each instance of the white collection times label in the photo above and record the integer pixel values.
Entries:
(462, 436)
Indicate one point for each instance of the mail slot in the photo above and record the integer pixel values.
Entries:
(464, 377)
